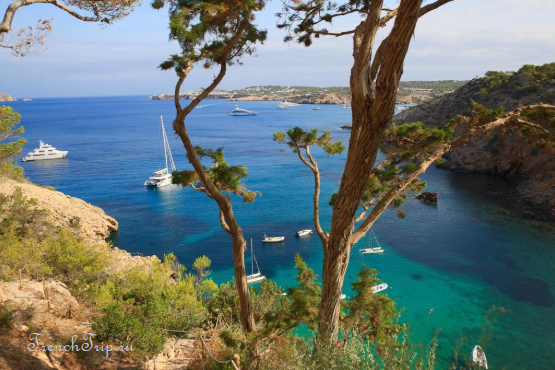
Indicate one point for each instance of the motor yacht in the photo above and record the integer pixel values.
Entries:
(43, 152)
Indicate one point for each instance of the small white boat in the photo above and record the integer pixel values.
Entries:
(345, 106)
(315, 107)
(163, 177)
(43, 152)
(254, 278)
(342, 296)
(372, 249)
(304, 232)
(379, 288)
(273, 239)
(286, 104)
(479, 357)
(281, 106)
(241, 112)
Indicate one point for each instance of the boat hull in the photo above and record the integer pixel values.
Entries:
(276, 239)
(304, 232)
(242, 114)
(58, 155)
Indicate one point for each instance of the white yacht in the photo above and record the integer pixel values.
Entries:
(286, 104)
(254, 278)
(371, 248)
(241, 112)
(163, 177)
(273, 239)
(315, 107)
(44, 151)
(304, 232)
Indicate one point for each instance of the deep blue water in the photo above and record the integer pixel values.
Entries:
(459, 257)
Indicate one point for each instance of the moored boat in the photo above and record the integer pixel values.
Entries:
(379, 288)
(371, 248)
(163, 177)
(254, 278)
(273, 239)
(479, 357)
(304, 232)
(241, 112)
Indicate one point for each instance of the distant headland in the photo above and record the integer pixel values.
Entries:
(6, 97)
(410, 92)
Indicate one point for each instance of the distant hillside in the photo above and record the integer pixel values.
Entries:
(414, 92)
(529, 85)
(502, 153)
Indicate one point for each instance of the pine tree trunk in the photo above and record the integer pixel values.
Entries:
(247, 314)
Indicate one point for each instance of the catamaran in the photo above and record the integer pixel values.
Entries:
(254, 278)
(43, 152)
(163, 177)
(371, 249)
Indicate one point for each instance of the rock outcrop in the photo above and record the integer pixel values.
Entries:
(66, 211)
(428, 197)
(6, 97)
(506, 153)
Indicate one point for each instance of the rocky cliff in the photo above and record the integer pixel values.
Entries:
(65, 211)
(506, 153)
(6, 97)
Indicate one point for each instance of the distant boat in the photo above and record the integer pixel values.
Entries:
(345, 106)
(304, 232)
(163, 177)
(379, 288)
(286, 104)
(479, 357)
(342, 296)
(27, 99)
(254, 278)
(273, 239)
(372, 249)
(43, 152)
(241, 112)
(281, 107)
(315, 108)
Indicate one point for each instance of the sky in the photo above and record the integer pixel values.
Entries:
(458, 41)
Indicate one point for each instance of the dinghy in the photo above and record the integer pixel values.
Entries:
(379, 288)
(479, 357)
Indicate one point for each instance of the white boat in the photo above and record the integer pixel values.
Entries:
(43, 152)
(241, 112)
(372, 249)
(479, 357)
(254, 278)
(304, 232)
(163, 177)
(345, 106)
(342, 296)
(315, 108)
(379, 288)
(281, 107)
(286, 104)
(273, 239)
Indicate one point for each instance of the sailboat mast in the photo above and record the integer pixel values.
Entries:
(252, 260)
(167, 150)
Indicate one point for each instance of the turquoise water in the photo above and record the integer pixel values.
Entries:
(460, 257)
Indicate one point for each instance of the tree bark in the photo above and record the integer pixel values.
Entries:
(372, 112)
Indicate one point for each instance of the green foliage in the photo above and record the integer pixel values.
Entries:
(7, 317)
(306, 297)
(201, 265)
(297, 139)
(205, 28)
(525, 81)
(225, 177)
(10, 148)
(373, 316)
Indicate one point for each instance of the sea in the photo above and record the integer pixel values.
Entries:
(447, 265)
